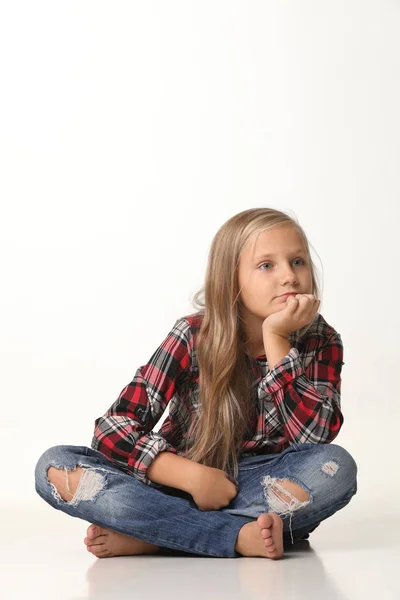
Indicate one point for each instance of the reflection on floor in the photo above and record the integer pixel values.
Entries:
(348, 557)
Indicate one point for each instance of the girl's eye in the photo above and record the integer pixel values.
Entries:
(268, 263)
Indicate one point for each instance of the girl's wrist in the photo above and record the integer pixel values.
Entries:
(270, 333)
(195, 472)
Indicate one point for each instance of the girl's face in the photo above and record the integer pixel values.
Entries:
(277, 264)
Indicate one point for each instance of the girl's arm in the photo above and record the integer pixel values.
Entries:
(175, 471)
(306, 399)
(276, 347)
(210, 488)
(124, 434)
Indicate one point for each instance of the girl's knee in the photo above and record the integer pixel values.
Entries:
(65, 482)
(340, 459)
(60, 457)
(339, 466)
(68, 474)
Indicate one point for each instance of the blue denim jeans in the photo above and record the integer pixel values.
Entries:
(169, 517)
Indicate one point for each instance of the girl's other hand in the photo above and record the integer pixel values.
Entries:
(213, 489)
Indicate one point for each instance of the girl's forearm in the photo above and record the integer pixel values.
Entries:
(175, 471)
(276, 347)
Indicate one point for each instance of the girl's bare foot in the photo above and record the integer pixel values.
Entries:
(104, 543)
(263, 537)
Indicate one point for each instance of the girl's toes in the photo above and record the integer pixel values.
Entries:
(97, 550)
(93, 531)
(266, 533)
(269, 542)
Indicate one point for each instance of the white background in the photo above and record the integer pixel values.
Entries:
(130, 132)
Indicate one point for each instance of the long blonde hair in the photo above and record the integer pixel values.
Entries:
(226, 411)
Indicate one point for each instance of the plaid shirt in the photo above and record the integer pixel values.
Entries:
(298, 401)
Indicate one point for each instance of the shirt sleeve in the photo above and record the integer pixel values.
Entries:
(123, 434)
(308, 399)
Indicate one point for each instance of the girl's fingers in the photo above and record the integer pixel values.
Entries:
(232, 479)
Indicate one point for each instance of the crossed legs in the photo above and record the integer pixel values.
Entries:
(105, 542)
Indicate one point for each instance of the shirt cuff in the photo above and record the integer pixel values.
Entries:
(287, 369)
(148, 448)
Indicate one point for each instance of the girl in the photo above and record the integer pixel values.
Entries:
(252, 382)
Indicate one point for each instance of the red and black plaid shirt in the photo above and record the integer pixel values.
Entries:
(298, 401)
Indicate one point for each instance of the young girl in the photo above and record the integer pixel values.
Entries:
(244, 461)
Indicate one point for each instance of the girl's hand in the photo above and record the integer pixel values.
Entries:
(213, 489)
(298, 311)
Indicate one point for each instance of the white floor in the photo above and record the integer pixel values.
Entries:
(349, 557)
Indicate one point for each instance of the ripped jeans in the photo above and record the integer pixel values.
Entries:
(169, 517)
